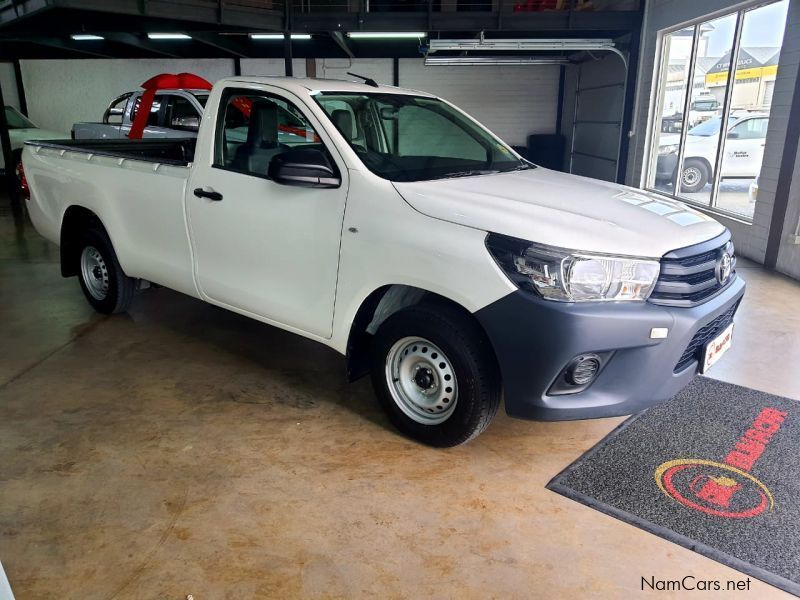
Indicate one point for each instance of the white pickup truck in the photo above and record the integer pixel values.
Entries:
(402, 233)
(744, 151)
(173, 114)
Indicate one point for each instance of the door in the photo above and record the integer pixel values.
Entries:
(744, 148)
(268, 249)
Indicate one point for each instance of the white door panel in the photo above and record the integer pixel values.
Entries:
(267, 249)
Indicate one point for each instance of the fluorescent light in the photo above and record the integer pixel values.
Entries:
(86, 37)
(464, 61)
(168, 36)
(385, 35)
(279, 36)
(522, 44)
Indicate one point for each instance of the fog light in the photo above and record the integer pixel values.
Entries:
(583, 369)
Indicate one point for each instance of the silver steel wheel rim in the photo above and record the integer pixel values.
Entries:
(421, 380)
(691, 176)
(94, 272)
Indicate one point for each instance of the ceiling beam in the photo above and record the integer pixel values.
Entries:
(219, 42)
(338, 37)
(140, 42)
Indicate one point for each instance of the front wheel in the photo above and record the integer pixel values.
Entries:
(435, 375)
(102, 279)
(694, 176)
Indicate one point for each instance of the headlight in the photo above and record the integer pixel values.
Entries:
(668, 149)
(571, 276)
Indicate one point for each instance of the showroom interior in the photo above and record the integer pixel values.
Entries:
(161, 446)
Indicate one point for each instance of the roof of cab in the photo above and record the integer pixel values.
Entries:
(308, 84)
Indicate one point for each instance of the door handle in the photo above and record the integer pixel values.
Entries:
(201, 193)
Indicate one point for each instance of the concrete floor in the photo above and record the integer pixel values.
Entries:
(181, 449)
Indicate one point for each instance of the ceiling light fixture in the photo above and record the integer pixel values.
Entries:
(279, 36)
(386, 35)
(565, 44)
(86, 37)
(168, 36)
(464, 61)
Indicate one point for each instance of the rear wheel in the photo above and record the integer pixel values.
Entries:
(102, 280)
(694, 176)
(435, 375)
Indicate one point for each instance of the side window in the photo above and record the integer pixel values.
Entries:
(181, 114)
(751, 129)
(152, 119)
(254, 128)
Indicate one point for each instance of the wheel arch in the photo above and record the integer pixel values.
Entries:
(75, 220)
(378, 306)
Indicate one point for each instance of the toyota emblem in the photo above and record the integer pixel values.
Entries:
(724, 267)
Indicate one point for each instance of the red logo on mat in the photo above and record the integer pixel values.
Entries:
(727, 488)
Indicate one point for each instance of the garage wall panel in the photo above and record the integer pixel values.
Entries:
(512, 101)
(594, 132)
(272, 67)
(379, 69)
(63, 92)
(9, 83)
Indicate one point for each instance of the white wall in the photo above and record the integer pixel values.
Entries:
(272, 66)
(9, 83)
(63, 92)
(512, 101)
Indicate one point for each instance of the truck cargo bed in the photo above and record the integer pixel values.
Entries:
(173, 151)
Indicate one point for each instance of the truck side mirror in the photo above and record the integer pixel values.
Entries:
(732, 135)
(303, 167)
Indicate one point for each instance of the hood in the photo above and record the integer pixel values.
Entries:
(20, 136)
(563, 210)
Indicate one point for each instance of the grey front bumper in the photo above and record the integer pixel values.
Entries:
(535, 339)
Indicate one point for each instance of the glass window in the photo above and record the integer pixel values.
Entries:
(152, 118)
(16, 120)
(182, 114)
(749, 129)
(692, 157)
(201, 98)
(255, 128)
(411, 138)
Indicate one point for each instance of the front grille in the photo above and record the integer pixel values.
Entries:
(704, 335)
(689, 276)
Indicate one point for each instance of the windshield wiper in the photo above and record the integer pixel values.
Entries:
(467, 173)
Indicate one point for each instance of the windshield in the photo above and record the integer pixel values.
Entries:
(16, 120)
(412, 138)
(704, 105)
(202, 99)
(710, 127)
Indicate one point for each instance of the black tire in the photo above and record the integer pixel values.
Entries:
(469, 353)
(694, 176)
(120, 287)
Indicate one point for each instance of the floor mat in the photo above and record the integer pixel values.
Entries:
(715, 469)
